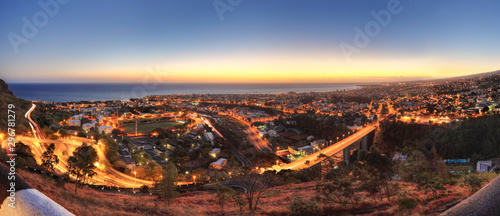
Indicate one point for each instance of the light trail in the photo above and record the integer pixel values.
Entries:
(328, 151)
(213, 128)
(116, 178)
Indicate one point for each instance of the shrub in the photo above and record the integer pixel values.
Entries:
(300, 207)
(60, 181)
(487, 176)
(407, 203)
(472, 181)
(119, 165)
(449, 181)
(144, 189)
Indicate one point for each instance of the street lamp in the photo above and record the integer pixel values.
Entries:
(135, 174)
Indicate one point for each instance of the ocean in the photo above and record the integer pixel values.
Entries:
(69, 92)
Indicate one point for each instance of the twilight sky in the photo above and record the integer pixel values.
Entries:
(265, 41)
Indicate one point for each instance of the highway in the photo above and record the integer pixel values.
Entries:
(253, 136)
(328, 151)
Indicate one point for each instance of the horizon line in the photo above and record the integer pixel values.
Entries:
(361, 81)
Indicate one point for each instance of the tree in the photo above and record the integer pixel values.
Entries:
(223, 195)
(63, 133)
(116, 131)
(24, 155)
(154, 172)
(201, 175)
(119, 165)
(110, 149)
(485, 109)
(49, 159)
(255, 185)
(81, 164)
(166, 187)
(414, 167)
(239, 200)
(379, 165)
(367, 181)
(82, 133)
(337, 184)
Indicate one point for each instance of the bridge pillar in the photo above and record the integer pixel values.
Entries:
(364, 143)
(346, 154)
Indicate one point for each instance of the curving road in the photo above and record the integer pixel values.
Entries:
(106, 175)
(32, 123)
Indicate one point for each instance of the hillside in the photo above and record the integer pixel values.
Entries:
(21, 106)
(275, 201)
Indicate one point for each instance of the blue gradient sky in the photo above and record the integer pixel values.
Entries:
(259, 41)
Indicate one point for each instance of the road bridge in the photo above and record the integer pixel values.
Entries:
(358, 140)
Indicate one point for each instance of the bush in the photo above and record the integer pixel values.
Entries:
(144, 189)
(407, 203)
(449, 181)
(487, 176)
(472, 181)
(300, 207)
(60, 181)
(119, 165)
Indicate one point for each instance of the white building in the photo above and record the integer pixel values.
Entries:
(77, 117)
(219, 164)
(209, 136)
(106, 129)
(215, 152)
(87, 126)
(483, 166)
(74, 123)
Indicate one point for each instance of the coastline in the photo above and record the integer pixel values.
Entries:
(74, 92)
